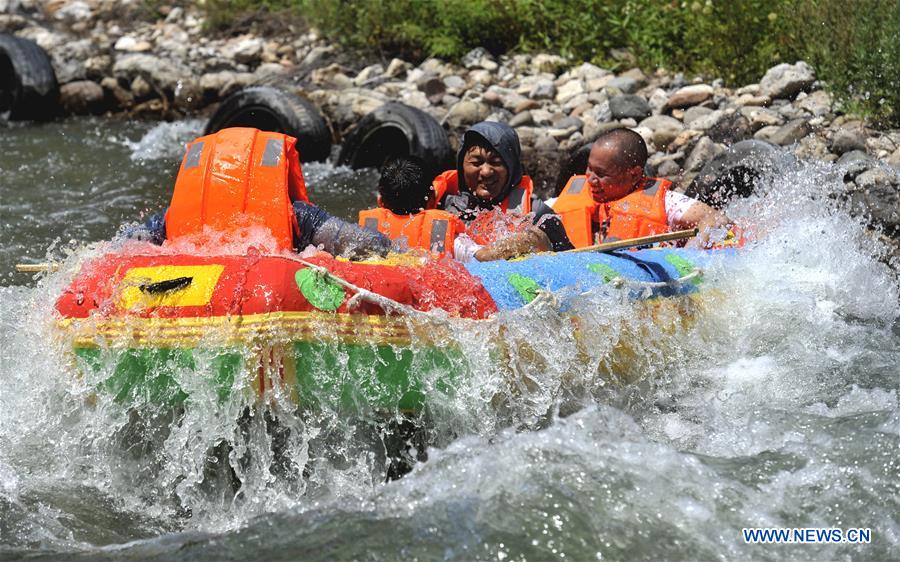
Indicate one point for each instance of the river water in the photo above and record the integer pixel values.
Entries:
(769, 401)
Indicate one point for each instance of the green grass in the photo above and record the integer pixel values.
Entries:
(853, 46)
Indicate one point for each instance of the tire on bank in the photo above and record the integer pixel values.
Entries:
(28, 87)
(396, 130)
(272, 109)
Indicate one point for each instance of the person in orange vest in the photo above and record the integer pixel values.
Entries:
(614, 200)
(240, 175)
(406, 210)
(489, 191)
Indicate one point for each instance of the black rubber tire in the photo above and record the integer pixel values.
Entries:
(28, 88)
(272, 109)
(734, 173)
(395, 129)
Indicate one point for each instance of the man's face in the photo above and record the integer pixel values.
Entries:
(608, 179)
(484, 171)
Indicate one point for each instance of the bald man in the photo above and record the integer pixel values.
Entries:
(614, 200)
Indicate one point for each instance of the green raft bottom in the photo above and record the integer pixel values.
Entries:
(349, 377)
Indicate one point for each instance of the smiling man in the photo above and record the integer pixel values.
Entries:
(614, 200)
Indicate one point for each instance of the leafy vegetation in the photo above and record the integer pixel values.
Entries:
(853, 46)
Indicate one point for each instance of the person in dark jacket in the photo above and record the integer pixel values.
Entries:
(489, 176)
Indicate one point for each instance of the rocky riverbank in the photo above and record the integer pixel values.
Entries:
(107, 59)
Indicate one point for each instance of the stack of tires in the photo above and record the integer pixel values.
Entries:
(392, 130)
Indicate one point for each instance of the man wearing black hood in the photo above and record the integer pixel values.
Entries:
(489, 177)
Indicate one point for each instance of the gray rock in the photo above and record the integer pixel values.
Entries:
(245, 50)
(624, 84)
(877, 196)
(817, 103)
(669, 168)
(479, 58)
(129, 44)
(140, 88)
(82, 97)
(708, 120)
(694, 113)
(397, 67)
(854, 163)
(317, 55)
(588, 71)
(466, 112)
(368, 74)
(593, 129)
(546, 143)
(219, 85)
(542, 117)
(760, 117)
(456, 85)
(704, 151)
(731, 128)
(71, 12)
(658, 100)
(567, 122)
(894, 159)
(637, 75)
(569, 90)
(766, 133)
(547, 63)
(791, 132)
(521, 119)
(663, 129)
(629, 106)
(163, 75)
(690, 95)
(542, 90)
(787, 80)
(499, 115)
(848, 138)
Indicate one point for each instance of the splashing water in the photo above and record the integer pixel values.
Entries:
(654, 430)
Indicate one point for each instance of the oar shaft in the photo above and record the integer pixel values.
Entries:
(36, 267)
(643, 241)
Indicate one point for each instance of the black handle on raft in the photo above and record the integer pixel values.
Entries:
(167, 285)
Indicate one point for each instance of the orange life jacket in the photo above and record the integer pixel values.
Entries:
(431, 230)
(518, 200)
(640, 213)
(238, 177)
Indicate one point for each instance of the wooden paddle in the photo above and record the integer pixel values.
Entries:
(642, 241)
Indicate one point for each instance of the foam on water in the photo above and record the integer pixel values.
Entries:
(654, 430)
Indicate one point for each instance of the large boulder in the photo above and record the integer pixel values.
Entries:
(734, 172)
(787, 80)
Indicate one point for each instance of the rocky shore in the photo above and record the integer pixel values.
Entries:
(108, 60)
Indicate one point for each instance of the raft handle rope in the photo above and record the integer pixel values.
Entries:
(621, 281)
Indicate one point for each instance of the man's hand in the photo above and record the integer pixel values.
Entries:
(529, 241)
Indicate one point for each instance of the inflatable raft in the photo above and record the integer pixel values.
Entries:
(329, 332)
(164, 324)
